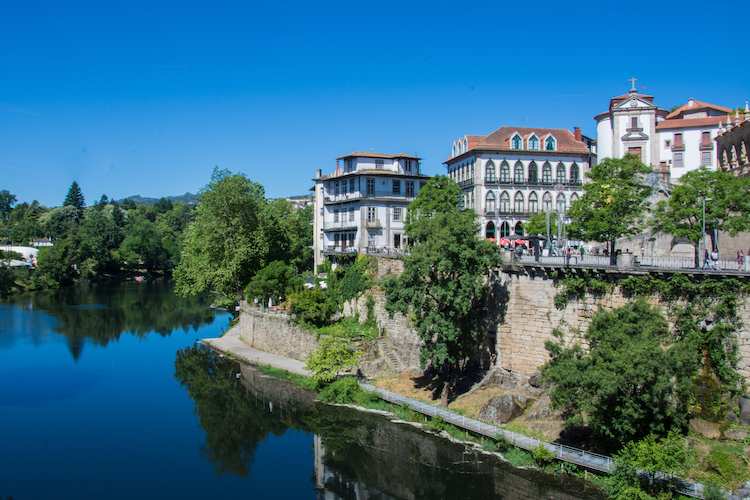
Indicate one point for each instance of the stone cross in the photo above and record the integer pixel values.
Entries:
(633, 80)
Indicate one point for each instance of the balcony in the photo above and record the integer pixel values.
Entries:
(373, 224)
(574, 182)
(341, 225)
(341, 198)
(466, 184)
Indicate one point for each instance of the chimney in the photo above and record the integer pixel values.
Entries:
(577, 131)
(318, 173)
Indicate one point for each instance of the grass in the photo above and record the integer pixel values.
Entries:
(300, 380)
(518, 457)
(348, 328)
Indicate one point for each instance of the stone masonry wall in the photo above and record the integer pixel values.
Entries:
(525, 315)
(274, 333)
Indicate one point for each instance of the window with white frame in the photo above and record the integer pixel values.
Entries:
(518, 173)
(407, 165)
(349, 165)
(518, 202)
(533, 142)
(343, 187)
(336, 188)
(533, 173)
(561, 202)
(379, 164)
(561, 173)
(336, 215)
(351, 214)
(706, 158)
(678, 159)
(504, 202)
(549, 144)
(574, 173)
(547, 173)
(489, 173)
(396, 213)
(516, 142)
(547, 202)
(533, 203)
(489, 202)
(504, 172)
(372, 214)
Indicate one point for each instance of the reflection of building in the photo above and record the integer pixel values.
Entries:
(733, 143)
(670, 143)
(363, 205)
(515, 172)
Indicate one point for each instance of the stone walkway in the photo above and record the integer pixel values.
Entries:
(231, 343)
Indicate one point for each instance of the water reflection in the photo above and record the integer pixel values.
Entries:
(357, 455)
(100, 313)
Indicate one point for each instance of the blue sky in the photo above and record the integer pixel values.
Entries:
(146, 97)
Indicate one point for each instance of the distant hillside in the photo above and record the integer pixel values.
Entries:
(140, 200)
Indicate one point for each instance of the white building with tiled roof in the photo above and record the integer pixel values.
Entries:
(515, 172)
(361, 206)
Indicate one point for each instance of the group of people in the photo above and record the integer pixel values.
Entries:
(710, 261)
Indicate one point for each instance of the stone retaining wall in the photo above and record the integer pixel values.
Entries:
(274, 333)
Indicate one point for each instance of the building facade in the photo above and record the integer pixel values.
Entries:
(516, 172)
(361, 206)
(733, 144)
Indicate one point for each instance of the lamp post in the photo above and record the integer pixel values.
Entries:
(703, 234)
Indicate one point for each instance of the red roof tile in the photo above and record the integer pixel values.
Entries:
(675, 123)
(360, 154)
(696, 106)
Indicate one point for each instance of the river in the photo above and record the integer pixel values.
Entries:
(104, 393)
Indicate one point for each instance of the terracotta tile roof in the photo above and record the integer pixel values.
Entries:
(360, 154)
(696, 106)
(390, 173)
(675, 123)
(616, 100)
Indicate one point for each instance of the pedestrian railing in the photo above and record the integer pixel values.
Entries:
(646, 263)
(593, 461)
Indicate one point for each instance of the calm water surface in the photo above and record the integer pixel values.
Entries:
(103, 394)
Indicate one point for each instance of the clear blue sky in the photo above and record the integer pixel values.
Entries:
(146, 97)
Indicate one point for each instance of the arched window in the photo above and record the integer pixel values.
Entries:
(547, 173)
(573, 198)
(489, 173)
(533, 203)
(561, 202)
(574, 174)
(505, 203)
(504, 172)
(518, 173)
(489, 231)
(547, 202)
(518, 202)
(455, 150)
(489, 203)
(472, 169)
(549, 144)
(560, 173)
(533, 175)
(533, 142)
(516, 142)
(519, 228)
(504, 229)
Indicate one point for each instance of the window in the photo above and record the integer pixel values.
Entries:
(518, 173)
(372, 214)
(518, 203)
(472, 169)
(422, 184)
(351, 213)
(517, 142)
(336, 188)
(379, 164)
(505, 202)
(343, 187)
(489, 202)
(396, 213)
(668, 143)
(504, 172)
(370, 187)
(635, 151)
(410, 188)
(396, 186)
(561, 202)
(533, 175)
(533, 203)
(550, 144)
(349, 165)
(407, 166)
(547, 202)
(489, 173)
(573, 198)
(336, 215)
(351, 185)
(560, 173)
(706, 158)
(489, 231)
(547, 173)
(678, 159)
(634, 122)
(504, 229)
(397, 240)
(533, 142)
(705, 139)
(678, 140)
(574, 174)
(519, 228)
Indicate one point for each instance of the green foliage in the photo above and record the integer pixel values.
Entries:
(610, 206)
(633, 380)
(575, 285)
(226, 243)
(7, 201)
(542, 455)
(441, 195)
(370, 306)
(681, 215)
(350, 279)
(343, 391)
(727, 467)
(406, 414)
(311, 307)
(644, 469)
(277, 279)
(435, 424)
(537, 224)
(334, 354)
(74, 198)
(349, 328)
(290, 234)
(518, 457)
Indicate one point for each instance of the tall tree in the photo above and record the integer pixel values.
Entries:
(610, 206)
(728, 208)
(7, 201)
(225, 245)
(74, 197)
(444, 283)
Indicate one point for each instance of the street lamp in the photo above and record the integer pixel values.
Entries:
(703, 234)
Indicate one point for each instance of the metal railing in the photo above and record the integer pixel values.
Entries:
(647, 263)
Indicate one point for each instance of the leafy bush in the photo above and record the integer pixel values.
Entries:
(435, 424)
(343, 391)
(518, 457)
(334, 354)
(502, 442)
(406, 414)
(311, 307)
(542, 455)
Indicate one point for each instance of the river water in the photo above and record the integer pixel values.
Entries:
(104, 393)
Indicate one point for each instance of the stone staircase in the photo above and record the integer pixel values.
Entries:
(390, 355)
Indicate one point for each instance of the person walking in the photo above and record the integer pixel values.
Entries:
(715, 260)
(706, 261)
(740, 259)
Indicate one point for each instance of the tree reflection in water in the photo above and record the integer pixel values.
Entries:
(100, 313)
(357, 454)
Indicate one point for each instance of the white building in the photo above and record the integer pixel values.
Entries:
(361, 206)
(670, 143)
(515, 172)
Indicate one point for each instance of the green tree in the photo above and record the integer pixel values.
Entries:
(333, 355)
(103, 201)
(289, 233)
(74, 197)
(537, 224)
(59, 221)
(681, 215)
(142, 246)
(444, 283)
(632, 381)
(275, 280)
(163, 206)
(225, 245)
(7, 201)
(610, 206)
(311, 307)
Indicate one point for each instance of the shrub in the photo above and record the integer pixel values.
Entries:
(436, 424)
(311, 307)
(542, 455)
(343, 391)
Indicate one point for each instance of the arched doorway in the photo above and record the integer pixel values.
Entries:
(489, 232)
(504, 229)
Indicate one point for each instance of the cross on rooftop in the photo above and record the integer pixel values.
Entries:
(633, 80)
